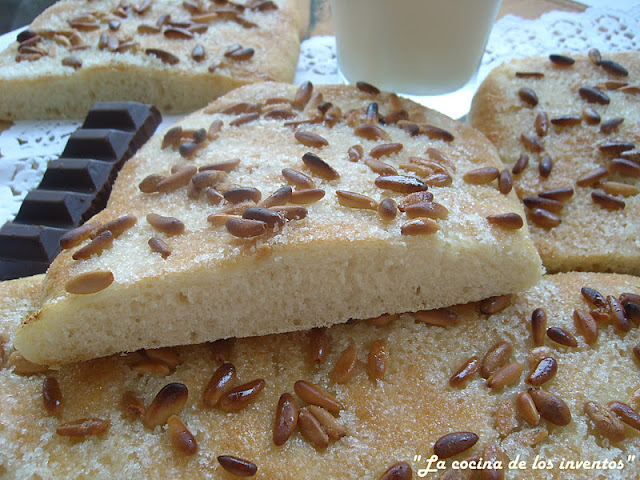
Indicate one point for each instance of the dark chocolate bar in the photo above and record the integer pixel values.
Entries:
(74, 187)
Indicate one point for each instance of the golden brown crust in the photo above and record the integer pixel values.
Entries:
(590, 236)
(45, 88)
(388, 420)
(337, 263)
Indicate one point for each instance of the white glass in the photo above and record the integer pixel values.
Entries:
(429, 50)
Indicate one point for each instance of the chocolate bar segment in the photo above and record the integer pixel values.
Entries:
(57, 208)
(101, 144)
(74, 187)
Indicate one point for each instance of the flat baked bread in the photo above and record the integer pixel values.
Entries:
(177, 55)
(279, 218)
(393, 382)
(576, 121)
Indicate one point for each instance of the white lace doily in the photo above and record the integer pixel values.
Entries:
(26, 147)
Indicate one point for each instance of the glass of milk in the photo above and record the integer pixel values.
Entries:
(427, 50)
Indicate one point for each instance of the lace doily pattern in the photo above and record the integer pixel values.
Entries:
(26, 147)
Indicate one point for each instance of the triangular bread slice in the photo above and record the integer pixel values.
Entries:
(576, 121)
(388, 416)
(177, 55)
(333, 248)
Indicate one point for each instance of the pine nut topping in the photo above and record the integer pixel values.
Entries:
(538, 326)
(272, 218)
(617, 188)
(356, 200)
(606, 201)
(169, 401)
(159, 246)
(544, 218)
(221, 382)
(465, 372)
(544, 371)
(481, 176)
(245, 228)
(594, 297)
(345, 365)
(117, 226)
(318, 345)
(371, 132)
(528, 96)
(311, 429)
(83, 427)
(89, 282)
(380, 167)
(96, 246)
(316, 395)
(545, 166)
(400, 183)
(551, 407)
(292, 212)
(180, 436)
(355, 153)
(180, 178)
(286, 419)
(279, 197)
(495, 358)
(559, 194)
(606, 422)
(454, 443)
(507, 221)
(52, 396)
(22, 366)
(627, 414)
(566, 120)
(541, 124)
(521, 164)
(586, 325)
(561, 336)
(561, 60)
(168, 225)
(306, 197)
(240, 396)
(377, 359)
(442, 317)
(610, 125)
(496, 304)
(150, 183)
(547, 204)
(590, 115)
(505, 182)
(504, 376)
(237, 466)
(398, 471)
(77, 235)
(299, 179)
(527, 408)
(387, 209)
(328, 422)
(385, 149)
(163, 56)
(593, 95)
(614, 68)
(310, 139)
(303, 95)
(319, 167)
(531, 143)
(367, 88)
(419, 226)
